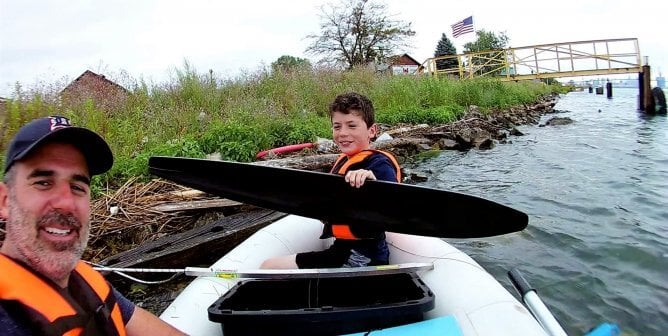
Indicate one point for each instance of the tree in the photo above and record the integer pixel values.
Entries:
(445, 48)
(356, 32)
(287, 63)
(488, 41)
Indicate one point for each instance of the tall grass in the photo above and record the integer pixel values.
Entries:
(194, 115)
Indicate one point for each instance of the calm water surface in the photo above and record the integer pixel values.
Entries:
(596, 192)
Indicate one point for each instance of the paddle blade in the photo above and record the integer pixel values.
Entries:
(380, 205)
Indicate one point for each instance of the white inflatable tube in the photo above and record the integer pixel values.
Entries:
(481, 306)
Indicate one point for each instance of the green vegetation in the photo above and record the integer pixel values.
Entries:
(195, 115)
(287, 63)
(486, 43)
(445, 48)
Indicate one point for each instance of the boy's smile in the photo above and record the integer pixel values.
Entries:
(351, 133)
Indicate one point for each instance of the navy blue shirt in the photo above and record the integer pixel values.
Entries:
(10, 327)
(381, 166)
(374, 248)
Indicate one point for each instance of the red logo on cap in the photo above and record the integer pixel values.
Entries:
(59, 122)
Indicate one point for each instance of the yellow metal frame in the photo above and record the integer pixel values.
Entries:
(567, 59)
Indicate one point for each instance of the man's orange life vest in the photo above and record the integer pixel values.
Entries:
(342, 164)
(54, 311)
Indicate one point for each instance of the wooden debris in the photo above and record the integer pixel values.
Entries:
(194, 205)
(199, 246)
(400, 142)
(137, 221)
(322, 162)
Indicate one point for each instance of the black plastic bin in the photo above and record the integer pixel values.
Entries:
(329, 306)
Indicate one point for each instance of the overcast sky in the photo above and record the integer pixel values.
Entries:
(46, 42)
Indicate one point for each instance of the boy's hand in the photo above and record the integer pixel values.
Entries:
(356, 178)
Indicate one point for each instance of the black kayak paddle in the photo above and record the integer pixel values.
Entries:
(387, 206)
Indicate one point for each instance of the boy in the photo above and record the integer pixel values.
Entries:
(353, 129)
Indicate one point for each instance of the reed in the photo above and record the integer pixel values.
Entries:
(197, 114)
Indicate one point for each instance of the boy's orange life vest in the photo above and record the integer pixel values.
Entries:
(57, 314)
(341, 166)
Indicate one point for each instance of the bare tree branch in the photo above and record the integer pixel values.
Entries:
(356, 32)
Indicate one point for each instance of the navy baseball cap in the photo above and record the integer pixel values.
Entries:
(95, 150)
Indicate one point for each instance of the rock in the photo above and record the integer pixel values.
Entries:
(423, 147)
(516, 132)
(325, 146)
(384, 137)
(472, 137)
(559, 121)
(448, 144)
(418, 176)
(485, 144)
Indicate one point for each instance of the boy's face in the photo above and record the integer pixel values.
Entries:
(351, 133)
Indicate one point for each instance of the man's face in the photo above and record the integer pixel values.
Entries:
(351, 133)
(47, 207)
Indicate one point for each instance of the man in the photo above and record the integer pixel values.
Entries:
(45, 289)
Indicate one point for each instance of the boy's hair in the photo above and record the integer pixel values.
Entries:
(348, 102)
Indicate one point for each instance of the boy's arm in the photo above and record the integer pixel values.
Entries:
(379, 168)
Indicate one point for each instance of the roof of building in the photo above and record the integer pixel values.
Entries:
(394, 58)
(101, 77)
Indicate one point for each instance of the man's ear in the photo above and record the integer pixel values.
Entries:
(4, 199)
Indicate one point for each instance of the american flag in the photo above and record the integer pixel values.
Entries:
(462, 27)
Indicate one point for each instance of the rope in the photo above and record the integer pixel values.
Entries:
(141, 281)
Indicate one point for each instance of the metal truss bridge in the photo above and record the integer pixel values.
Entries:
(566, 59)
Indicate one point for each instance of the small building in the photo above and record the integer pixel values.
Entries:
(101, 90)
(404, 65)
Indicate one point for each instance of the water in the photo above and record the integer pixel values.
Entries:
(596, 192)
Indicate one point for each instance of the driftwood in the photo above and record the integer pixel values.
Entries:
(406, 129)
(141, 212)
(199, 246)
(195, 205)
(322, 162)
(182, 194)
(400, 142)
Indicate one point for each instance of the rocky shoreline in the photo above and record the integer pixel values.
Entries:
(475, 130)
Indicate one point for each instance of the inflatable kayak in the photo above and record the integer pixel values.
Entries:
(431, 288)
(466, 299)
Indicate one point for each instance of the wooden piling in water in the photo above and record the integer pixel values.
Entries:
(646, 98)
(608, 89)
